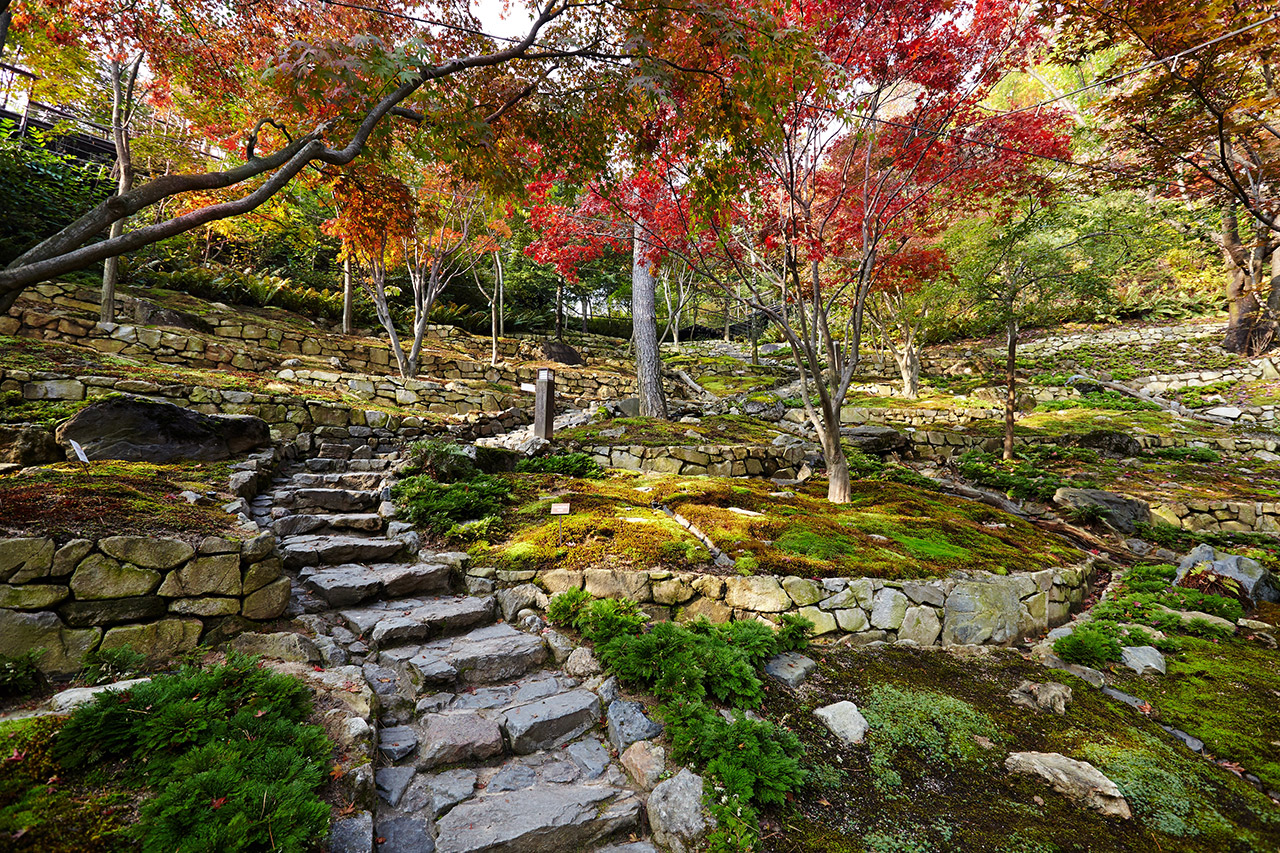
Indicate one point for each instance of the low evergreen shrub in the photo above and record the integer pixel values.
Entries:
(103, 666)
(442, 460)
(1089, 645)
(21, 674)
(568, 464)
(233, 763)
(439, 506)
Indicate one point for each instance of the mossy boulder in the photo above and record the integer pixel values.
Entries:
(137, 429)
(148, 552)
(63, 647)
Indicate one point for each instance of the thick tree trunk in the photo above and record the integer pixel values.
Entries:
(644, 320)
(837, 464)
(908, 361)
(348, 297)
(1011, 393)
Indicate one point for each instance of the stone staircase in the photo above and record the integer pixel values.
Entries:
(482, 745)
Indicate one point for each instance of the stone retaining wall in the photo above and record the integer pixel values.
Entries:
(1225, 516)
(704, 459)
(159, 596)
(940, 444)
(287, 415)
(1126, 335)
(966, 608)
(235, 342)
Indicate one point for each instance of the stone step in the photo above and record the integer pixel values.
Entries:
(550, 722)
(297, 525)
(353, 583)
(541, 819)
(300, 551)
(389, 623)
(485, 655)
(345, 480)
(331, 500)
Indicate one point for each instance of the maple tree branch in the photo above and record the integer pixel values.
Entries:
(252, 141)
(67, 250)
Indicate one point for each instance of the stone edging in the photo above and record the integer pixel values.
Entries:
(967, 608)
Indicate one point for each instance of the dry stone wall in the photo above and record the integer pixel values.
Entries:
(966, 608)
(703, 459)
(286, 415)
(237, 343)
(1220, 516)
(160, 596)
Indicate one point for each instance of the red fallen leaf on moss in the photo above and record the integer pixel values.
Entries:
(16, 755)
(1145, 708)
(218, 802)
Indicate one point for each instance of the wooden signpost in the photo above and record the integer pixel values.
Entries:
(560, 511)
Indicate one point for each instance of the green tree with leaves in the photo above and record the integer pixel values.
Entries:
(1019, 264)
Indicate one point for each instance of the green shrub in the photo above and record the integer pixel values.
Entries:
(737, 824)
(102, 666)
(941, 730)
(442, 460)
(438, 506)
(1019, 478)
(1085, 514)
(565, 606)
(1205, 629)
(568, 464)
(1149, 577)
(226, 749)
(1089, 645)
(691, 663)
(21, 674)
(754, 760)
(604, 619)
(1109, 400)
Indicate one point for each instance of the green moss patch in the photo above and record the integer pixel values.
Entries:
(44, 809)
(887, 530)
(931, 775)
(108, 498)
(1227, 694)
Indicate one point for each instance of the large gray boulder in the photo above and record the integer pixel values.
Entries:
(1120, 512)
(979, 612)
(874, 439)
(542, 819)
(141, 430)
(1258, 582)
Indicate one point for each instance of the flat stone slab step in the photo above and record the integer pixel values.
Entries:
(313, 550)
(365, 481)
(353, 583)
(482, 656)
(548, 819)
(332, 500)
(406, 620)
(551, 721)
(297, 525)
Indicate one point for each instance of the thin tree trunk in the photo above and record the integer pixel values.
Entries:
(5, 17)
(644, 320)
(121, 98)
(1011, 396)
(560, 311)
(348, 297)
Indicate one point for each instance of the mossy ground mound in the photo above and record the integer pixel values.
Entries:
(964, 800)
(887, 530)
(110, 498)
